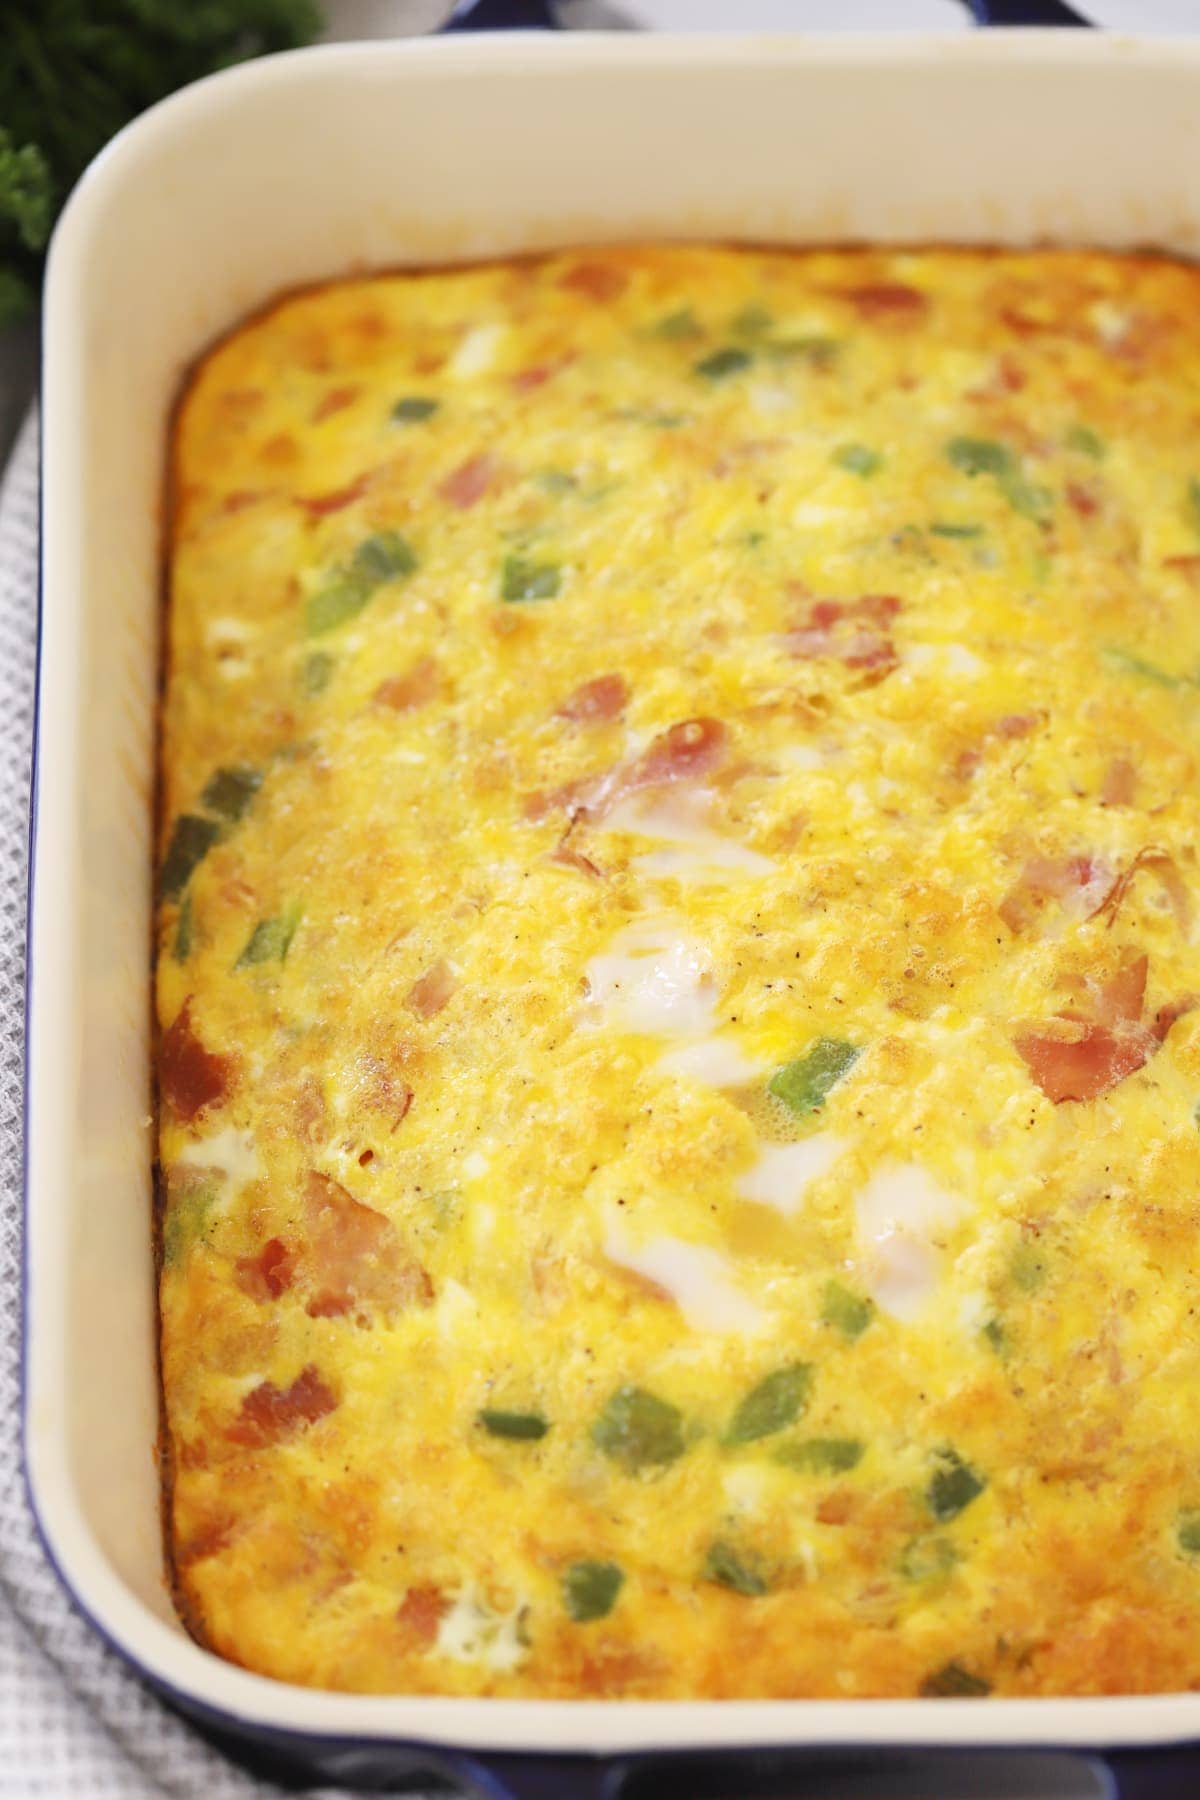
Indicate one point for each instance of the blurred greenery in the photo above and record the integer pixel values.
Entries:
(73, 72)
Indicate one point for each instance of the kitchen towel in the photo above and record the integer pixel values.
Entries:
(75, 1723)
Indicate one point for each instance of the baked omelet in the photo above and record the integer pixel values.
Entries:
(676, 954)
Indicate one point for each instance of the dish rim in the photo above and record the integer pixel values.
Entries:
(197, 1680)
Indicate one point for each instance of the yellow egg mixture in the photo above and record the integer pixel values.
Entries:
(676, 945)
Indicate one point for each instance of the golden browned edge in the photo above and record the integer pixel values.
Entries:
(1136, 255)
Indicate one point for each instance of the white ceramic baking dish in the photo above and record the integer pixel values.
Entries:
(363, 156)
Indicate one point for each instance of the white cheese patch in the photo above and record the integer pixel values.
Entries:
(472, 1632)
(477, 352)
(714, 1062)
(454, 1310)
(696, 853)
(233, 1152)
(900, 1215)
(1082, 902)
(342, 1161)
(653, 978)
(803, 756)
(973, 1313)
(768, 398)
(483, 1225)
(698, 1279)
(812, 514)
(1111, 322)
(781, 1173)
(230, 631)
(745, 1486)
(805, 1553)
(943, 659)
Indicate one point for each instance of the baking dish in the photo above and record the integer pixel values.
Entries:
(362, 156)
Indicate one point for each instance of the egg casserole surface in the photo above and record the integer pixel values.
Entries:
(676, 947)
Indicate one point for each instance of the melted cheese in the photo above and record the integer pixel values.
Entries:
(713, 1061)
(233, 1153)
(700, 1281)
(902, 1218)
(947, 659)
(473, 1632)
(782, 1173)
(477, 351)
(652, 978)
(693, 851)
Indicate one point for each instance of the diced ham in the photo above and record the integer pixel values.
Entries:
(1083, 1052)
(596, 701)
(575, 859)
(269, 1414)
(209, 1539)
(190, 1076)
(1010, 728)
(1120, 997)
(1005, 377)
(684, 752)
(317, 505)
(467, 484)
(280, 450)
(383, 1088)
(598, 281)
(241, 498)
(327, 1305)
(421, 1612)
(1162, 864)
(267, 1275)
(335, 401)
(526, 380)
(430, 992)
(887, 300)
(1076, 1060)
(1010, 377)
(310, 1115)
(1166, 1016)
(854, 632)
(416, 687)
(544, 801)
(1119, 785)
(240, 404)
(1024, 326)
(837, 1508)
(354, 1255)
(1081, 500)
(1079, 884)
